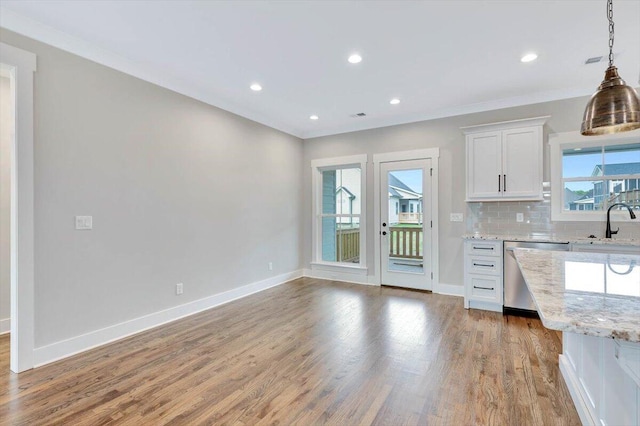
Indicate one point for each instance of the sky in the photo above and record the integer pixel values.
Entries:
(411, 178)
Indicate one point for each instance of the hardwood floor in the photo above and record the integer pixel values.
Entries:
(308, 352)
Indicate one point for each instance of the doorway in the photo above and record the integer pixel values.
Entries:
(406, 217)
(21, 66)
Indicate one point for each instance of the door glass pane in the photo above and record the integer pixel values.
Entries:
(405, 221)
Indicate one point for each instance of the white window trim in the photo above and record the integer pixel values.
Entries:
(561, 141)
(316, 178)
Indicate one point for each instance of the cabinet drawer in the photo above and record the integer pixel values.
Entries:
(484, 248)
(485, 288)
(484, 265)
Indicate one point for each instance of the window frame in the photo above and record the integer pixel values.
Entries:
(559, 142)
(317, 167)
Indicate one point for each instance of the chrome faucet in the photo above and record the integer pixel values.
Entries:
(609, 232)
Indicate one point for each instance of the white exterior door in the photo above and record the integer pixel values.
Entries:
(406, 224)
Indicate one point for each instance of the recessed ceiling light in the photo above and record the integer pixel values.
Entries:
(355, 58)
(313, 117)
(394, 101)
(529, 57)
(256, 87)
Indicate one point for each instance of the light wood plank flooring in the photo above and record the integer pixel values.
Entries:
(308, 352)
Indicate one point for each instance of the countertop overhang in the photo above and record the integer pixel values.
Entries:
(596, 294)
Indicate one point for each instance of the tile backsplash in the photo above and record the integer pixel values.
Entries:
(500, 218)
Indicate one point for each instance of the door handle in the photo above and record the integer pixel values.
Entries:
(504, 186)
(498, 183)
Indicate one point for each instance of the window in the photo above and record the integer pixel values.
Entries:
(339, 201)
(590, 175)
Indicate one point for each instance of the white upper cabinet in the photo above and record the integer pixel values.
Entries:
(504, 160)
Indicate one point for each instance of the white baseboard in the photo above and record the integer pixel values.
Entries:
(338, 276)
(65, 348)
(573, 384)
(5, 325)
(449, 289)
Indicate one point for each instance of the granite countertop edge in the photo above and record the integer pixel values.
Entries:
(553, 239)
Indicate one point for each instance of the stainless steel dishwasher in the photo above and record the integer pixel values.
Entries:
(517, 299)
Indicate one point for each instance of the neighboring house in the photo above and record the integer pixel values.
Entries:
(405, 204)
(616, 190)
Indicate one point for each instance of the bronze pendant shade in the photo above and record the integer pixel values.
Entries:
(615, 107)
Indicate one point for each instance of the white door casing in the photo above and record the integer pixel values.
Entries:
(21, 65)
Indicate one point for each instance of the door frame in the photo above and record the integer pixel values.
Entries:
(420, 154)
(22, 66)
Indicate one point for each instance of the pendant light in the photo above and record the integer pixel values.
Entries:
(615, 107)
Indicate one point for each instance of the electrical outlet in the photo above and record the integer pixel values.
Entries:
(456, 217)
(84, 222)
(519, 217)
(271, 266)
(179, 288)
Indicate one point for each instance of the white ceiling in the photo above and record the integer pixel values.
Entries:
(441, 58)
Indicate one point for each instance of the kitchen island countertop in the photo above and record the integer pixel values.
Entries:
(596, 294)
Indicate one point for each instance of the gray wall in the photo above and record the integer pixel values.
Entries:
(179, 191)
(445, 134)
(6, 130)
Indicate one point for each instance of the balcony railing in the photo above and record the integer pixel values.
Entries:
(410, 217)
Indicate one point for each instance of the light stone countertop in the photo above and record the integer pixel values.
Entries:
(596, 294)
(554, 239)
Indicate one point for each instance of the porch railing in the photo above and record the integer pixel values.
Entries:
(406, 243)
(348, 247)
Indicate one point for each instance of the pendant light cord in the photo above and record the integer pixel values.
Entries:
(610, 16)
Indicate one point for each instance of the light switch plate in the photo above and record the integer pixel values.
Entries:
(519, 217)
(84, 222)
(456, 217)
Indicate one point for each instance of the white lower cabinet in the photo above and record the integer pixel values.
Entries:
(483, 275)
(601, 376)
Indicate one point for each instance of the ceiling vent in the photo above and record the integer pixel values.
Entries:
(358, 115)
(593, 60)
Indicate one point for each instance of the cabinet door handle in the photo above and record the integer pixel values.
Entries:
(482, 248)
(483, 288)
(499, 183)
(484, 264)
(504, 186)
